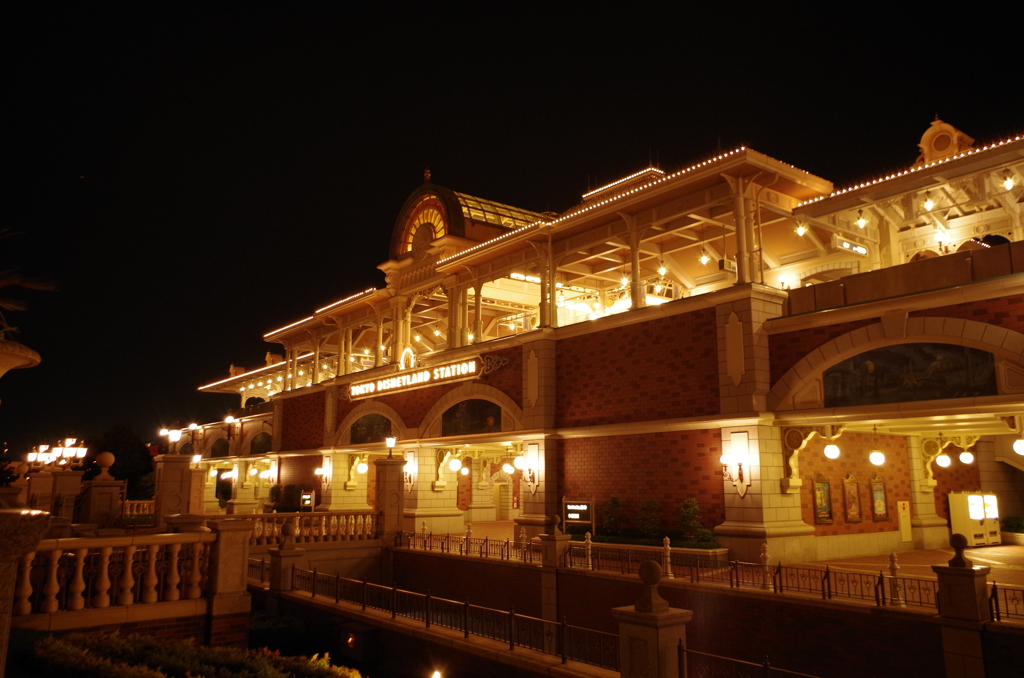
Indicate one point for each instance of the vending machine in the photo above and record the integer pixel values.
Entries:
(976, 516)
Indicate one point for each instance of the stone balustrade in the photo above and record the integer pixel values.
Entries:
(138, 508)
(78, 573)
(332, 526)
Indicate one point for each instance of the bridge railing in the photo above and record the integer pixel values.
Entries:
(556, 638)
(327, 526)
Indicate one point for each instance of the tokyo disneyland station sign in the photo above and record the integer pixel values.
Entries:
(411, 378)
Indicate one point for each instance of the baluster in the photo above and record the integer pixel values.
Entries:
(257, 532)
(192, 590)
(102, 597)
(350, 529)
(75, 600)
(361, 527)
(52, 587)
(172, 578)
(126, 597)
(23, 592)
(149, 594)
(332, 527)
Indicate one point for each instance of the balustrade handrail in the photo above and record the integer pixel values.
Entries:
(71, 543)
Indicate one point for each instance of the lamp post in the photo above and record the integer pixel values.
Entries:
(390, 442)
(174, 435)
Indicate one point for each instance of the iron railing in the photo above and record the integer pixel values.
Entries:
(502, 549)
(1006, 602)
(517, 630)
(694, 664)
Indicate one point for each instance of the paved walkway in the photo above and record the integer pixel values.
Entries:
(1007, 563)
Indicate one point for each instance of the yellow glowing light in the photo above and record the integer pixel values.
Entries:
(876, 458)
(519, 462)
(861, 221)
(657, 288)
(362, 467)
(1018, 446)
(943, 460)
(464, 471)
(1008, 182)
(625, 281)
(229, 419)
(253, 471)
(213, 472)
(704, 258)
(470, 336)
(163, 432)
(196, 458)
(832, 451)
(437, 333)
(418, 338)
(929, 204)
(318, 472)
(193, 426)
(455, 464)
(966, 457)
(662, 270)
(800, 230)
(507, 468)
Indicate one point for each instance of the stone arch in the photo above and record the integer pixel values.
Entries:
(246, 445)
(343, 433)
(512, 414)
(213, 436)
(801, 388)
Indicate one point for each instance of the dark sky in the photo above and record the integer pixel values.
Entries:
(193, 176)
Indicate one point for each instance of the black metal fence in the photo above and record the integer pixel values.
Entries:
(560, 639)
(693, 664)
(502, 549)
(1006, 603)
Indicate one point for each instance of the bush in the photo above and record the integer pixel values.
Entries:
(287, 498)
(1012, 524)
(108, 655)
(689, 518)
(649, 521)
(614, 516)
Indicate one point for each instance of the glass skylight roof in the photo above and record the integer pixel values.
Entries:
(495, 213)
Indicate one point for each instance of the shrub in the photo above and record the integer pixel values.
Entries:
(689, 517)
(108, 655)
(1012, 524)
(614, 516)
(649, 521)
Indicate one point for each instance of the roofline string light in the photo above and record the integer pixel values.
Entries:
(912, 170)
(622, 181)
(580, 209)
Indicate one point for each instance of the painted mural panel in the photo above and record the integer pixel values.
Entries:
(370, 428)
(905, 372)
(471, 416)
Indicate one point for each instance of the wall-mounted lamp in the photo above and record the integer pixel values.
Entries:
(455, 464)
(928, 202)
(196, 458)
(362, 466)
(213, 472)
(877, 458)
(966, 457)
(1018, 446)
(832, 451)
(734, 460)
(410, 470)
(508, 468)
(943, 460)
(1008, 182)
(861, 221)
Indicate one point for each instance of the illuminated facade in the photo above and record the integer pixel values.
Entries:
(703, 332)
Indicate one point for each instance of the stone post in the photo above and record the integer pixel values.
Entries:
(185, 523)
(929, 528)
(66, 486)
(554, 544)
(283, 558)
(390, 498)
(173, 486)
(650, 631)
(40, 491)
(228, 604)
(963, 595)
(963, 589)
(20, 532)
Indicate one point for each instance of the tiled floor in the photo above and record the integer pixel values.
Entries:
(1007, 563)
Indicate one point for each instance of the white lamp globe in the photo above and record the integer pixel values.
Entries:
(943, 460)
(876, 458)
(966, 457)
(832, 451)
(1018, 446)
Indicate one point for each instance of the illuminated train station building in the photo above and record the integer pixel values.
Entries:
(809, 361)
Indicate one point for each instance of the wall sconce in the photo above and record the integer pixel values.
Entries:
(196, 458)
(410, 470)
(734, 460)
(1008, 182)
(877, 458)
(213, 472)
(966, 457)
(943, 460)
(861, 221)
(265, 475)
(832, 451)
(928, 202)
(1018, 446)
(508, 468)
(362, 466)
(325, 473)
(455, 465)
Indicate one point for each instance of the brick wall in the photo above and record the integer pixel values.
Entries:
(302, 421)
(958, 477)
(855, 448)
(668, 467)
(789, 348)
(299, 471)
(658, 369)
(1006, 312)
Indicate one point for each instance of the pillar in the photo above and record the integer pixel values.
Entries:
(390, 497)
(20, 533)
(929, 529)
(963, 595)
(546, 500)
(243, 490)
(481, 503)
(173, 486)
(66, 486)
(228, 603)
(478, 321)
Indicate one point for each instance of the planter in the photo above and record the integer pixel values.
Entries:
(1012, 538)
(14, 356)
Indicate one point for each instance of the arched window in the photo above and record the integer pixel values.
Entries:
(370, 428)
(471, 416)
(260, 443)
(220, 448)
(186, 450)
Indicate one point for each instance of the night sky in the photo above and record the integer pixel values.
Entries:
(193, 176)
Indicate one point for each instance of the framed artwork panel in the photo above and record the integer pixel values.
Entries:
(851, 500)
(822, 500)
(879, 502)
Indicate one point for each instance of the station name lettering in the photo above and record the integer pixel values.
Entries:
(441, 373)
